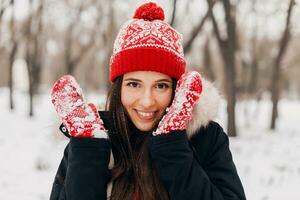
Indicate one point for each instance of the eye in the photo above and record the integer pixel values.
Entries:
(162, 86)
(133, 84)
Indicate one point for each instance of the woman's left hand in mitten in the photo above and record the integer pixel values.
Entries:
(188, 90)
(80, 119)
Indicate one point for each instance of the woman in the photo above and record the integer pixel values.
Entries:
(157, 140)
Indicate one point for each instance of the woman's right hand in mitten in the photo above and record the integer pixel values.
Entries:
(80, 119)
(187, 93)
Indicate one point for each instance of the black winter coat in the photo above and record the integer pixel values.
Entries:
(194, 164)
(199, 168)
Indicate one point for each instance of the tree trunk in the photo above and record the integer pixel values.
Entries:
(230, 90)
(12, 57)
(30, 57)
(10, 78)
(276, 78)
(38, 51)
(252, 85)
(31, 92)
(227, 47)
(253, 70)
(108, 42)
(68, 51)
(69, 60)
(207, 61)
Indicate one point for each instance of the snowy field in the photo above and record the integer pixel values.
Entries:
(31, 149)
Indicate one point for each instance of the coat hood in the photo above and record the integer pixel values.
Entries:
(206, 108)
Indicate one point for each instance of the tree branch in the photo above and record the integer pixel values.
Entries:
(214, 22)
(173, 13)
(187, 46)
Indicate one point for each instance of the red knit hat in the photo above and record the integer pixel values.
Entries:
(147, 43)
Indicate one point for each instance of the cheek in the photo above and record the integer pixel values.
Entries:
(165, 100)
(127, 98)
(124, 98)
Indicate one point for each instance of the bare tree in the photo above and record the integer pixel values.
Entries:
(227, 47)
(108, 40)
(69, 40)
(29, 55)
(12, 53)
(197, 29)
(33, 35)
(249, 66)
(73, 59)
(276, 78)
(38, 49)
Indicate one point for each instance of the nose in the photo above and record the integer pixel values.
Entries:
(147, 99)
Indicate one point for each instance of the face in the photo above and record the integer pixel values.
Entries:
(145, 96)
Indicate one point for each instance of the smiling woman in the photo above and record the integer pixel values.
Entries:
(145, 96)
(157, 139)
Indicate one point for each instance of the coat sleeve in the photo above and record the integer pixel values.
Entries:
(185, 177)
(58, 184)
(83, 172)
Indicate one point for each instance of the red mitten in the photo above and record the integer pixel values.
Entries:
(188, 90)
(80, 119)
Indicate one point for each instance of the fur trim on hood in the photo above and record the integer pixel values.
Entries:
(206, 108)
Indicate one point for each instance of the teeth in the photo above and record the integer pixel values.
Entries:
(145, 114)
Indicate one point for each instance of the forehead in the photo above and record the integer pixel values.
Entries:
(146, 76)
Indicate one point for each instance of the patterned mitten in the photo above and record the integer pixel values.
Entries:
(188, 90)
(80, 119)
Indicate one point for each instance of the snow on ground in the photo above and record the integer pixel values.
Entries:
(31, 148)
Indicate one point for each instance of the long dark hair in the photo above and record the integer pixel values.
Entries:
(133, 173)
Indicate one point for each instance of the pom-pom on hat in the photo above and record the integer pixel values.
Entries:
(147, 43)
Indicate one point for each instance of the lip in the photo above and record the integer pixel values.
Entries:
(145, 118)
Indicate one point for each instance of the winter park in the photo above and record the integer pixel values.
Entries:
(245, 55)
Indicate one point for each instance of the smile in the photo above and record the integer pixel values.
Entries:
(145, 115)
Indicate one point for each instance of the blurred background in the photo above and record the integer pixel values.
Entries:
(249, 49)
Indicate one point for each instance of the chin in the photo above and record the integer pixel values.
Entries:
(148, 127)
(145, 129)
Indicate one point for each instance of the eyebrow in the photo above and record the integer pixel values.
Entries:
(132, 79)
(164, 80)
(138, 80)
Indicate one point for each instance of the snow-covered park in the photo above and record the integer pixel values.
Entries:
(268, 161)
